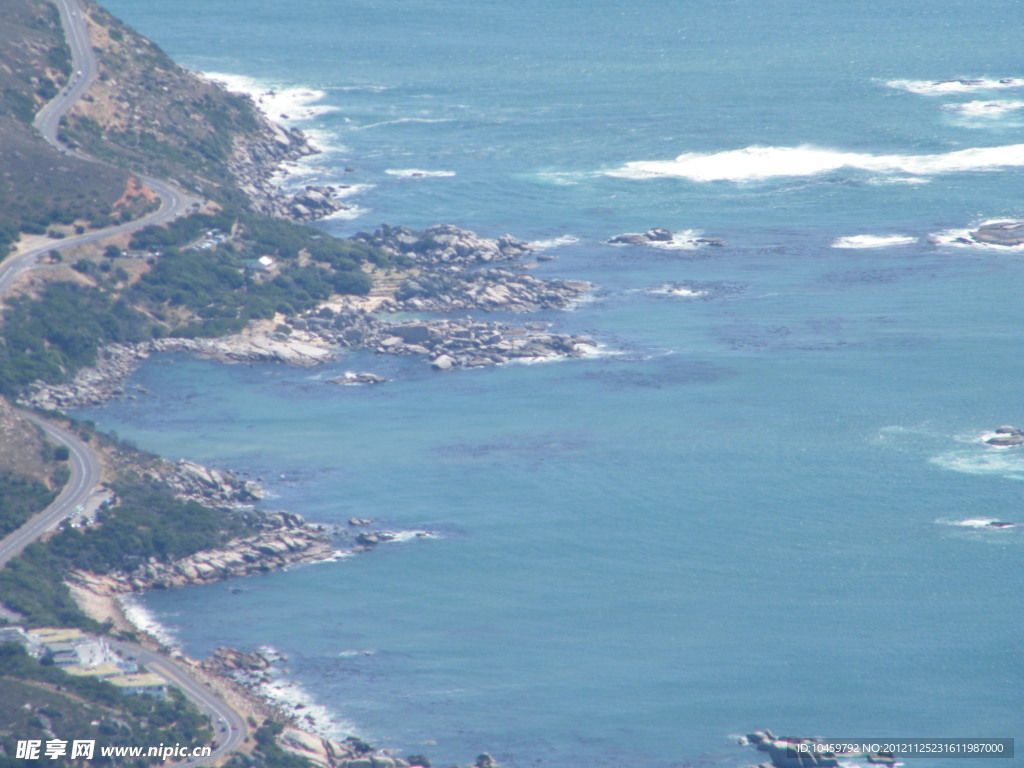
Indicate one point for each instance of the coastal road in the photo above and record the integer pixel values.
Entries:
(173, 202)
(83, 73)
(85, 475)
(228, 725)
(85, 468)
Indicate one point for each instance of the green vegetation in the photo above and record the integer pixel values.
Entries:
(50, 337)
(20, 498)
(268, 753)
(37, 699)
(149, 522)
(189, 293)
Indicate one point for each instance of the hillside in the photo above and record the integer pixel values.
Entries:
(145, 114)
(148, 114)
(38, 185)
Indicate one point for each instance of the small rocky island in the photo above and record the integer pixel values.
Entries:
(1007, 233)
(659, 236)
(794, 752)
(1007, 436)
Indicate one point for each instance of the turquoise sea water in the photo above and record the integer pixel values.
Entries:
(748, 513)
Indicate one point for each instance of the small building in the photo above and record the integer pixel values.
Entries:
(262, 264)
(145, 684)
(13, 635)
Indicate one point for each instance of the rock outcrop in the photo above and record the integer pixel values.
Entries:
(190, 480)
(233, 663)
(445, 245)
(451, 343)
(355, 378)
(451, 273)
(267, 551)
(1007, 436)
(492, 290)
(661, 237)
(1007, 233)
(104, 380)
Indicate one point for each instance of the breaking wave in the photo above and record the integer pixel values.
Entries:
(415, 173)
(757, 163)
(872, 241)
(986, 109)
(280, 104)
(958, 85)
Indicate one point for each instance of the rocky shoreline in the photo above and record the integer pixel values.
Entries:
(282, 540)
(293, 542)
(447, 277)
(254, 162)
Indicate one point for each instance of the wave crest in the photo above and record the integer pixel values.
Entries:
(872, 241)
(958, 85)
(758, 163)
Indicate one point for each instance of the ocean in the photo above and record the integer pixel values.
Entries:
(764, 503)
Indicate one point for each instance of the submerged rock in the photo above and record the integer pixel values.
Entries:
(659, 236)
(349, 378)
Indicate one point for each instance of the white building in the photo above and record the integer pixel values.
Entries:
(70, 647)
(146, 684)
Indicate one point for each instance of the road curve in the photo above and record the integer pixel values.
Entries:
(229, 726)
(85, 475)
(173, 202)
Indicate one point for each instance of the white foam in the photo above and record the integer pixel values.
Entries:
(560, 178)
(292, 697)
(535, 360)
(879, 180)
(686, 240)
(143, 620)
(415, 173)
(1008, 464)
(959, 85)
(984, 109)
(335, 556)
(402, 121)
(346, 214)
(672, 289)
(353, 653)
(554, 242)
(348, 190)
(366, 88)
(757, 163)
(978, 523)
(872, 241)
(403, 536)
(280, 104)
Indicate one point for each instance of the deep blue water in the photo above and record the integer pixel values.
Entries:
(746, 515)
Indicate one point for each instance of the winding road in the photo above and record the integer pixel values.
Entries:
(173, 202)
(85, 475)
(85, 467)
